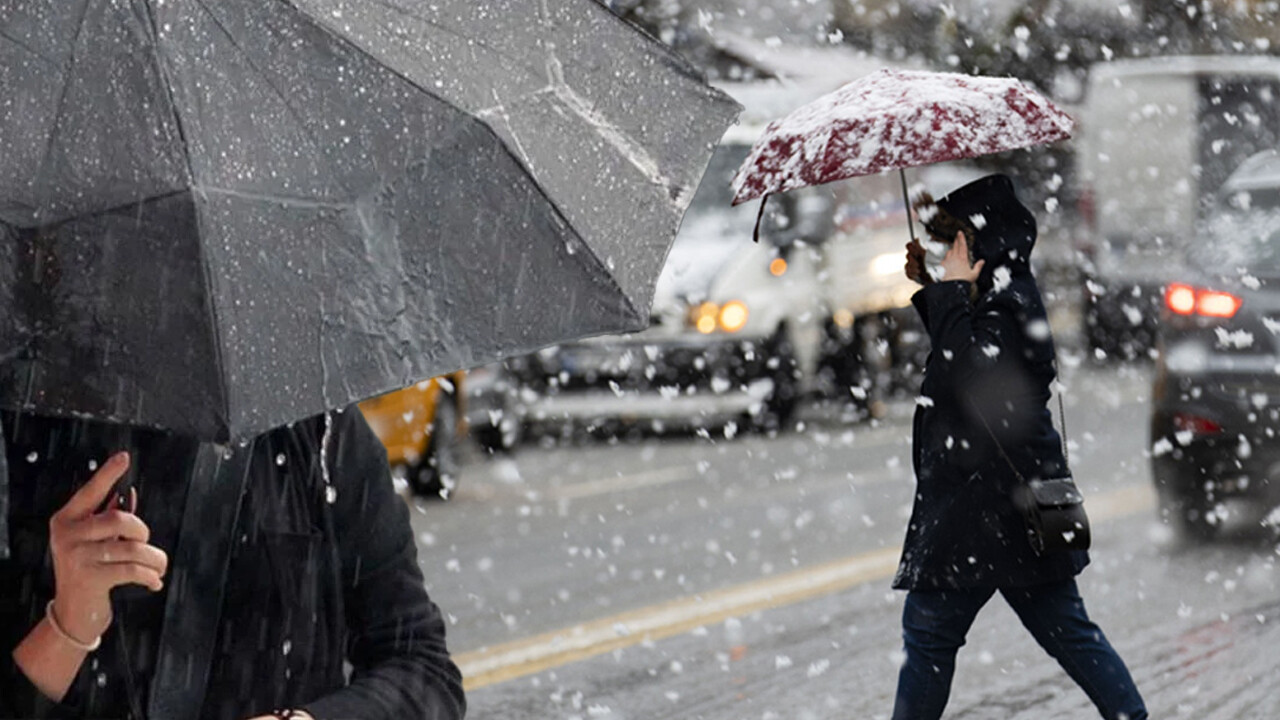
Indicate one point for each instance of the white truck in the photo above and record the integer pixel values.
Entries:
(1158, 137)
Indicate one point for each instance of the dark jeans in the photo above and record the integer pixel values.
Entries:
(934, 624)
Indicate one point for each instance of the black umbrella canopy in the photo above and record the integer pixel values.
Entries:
(221, 217)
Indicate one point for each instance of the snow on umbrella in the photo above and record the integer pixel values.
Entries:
(895, 119)
(218, 218)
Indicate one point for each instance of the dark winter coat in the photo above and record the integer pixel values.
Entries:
(992, 358)
(312, 584)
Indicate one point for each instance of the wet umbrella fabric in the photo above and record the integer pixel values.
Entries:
(895, 119)
(219, 218)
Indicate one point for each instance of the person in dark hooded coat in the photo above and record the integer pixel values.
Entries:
(987, 379)
(323, 610)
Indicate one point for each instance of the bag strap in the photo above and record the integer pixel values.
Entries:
(999, 447)
(193, 608)
(1062, 412)
(1062, 420)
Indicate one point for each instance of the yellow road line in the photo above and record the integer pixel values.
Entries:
(500, 663)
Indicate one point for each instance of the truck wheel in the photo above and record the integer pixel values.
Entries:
(436, 475)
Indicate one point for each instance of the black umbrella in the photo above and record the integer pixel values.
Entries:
(221, 217)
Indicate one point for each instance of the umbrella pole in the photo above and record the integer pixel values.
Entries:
(906, 200)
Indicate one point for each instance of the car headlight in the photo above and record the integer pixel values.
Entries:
(708, 317)
(703, 317)
(733, 316)
(888, 264)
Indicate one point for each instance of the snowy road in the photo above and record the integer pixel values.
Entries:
(687, 578)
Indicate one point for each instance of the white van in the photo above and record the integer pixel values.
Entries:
(1158, 137)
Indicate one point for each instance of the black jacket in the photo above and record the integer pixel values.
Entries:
(990, 360)
(311, 584)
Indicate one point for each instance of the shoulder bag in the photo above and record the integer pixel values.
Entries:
(1052, 508)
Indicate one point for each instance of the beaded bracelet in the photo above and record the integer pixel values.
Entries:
(60, 632)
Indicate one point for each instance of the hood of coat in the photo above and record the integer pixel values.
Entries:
(1006, 229)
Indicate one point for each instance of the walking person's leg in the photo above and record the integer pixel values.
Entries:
(934, 625)
(1055, 615)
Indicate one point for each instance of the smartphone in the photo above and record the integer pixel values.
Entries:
(121, 495)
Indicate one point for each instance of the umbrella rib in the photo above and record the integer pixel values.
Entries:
(295, 201)
(167, 85)
(278, 93)
(29, 49)
(370, 56)
(219, 360)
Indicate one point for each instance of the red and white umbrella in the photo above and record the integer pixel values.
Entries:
(895, 119)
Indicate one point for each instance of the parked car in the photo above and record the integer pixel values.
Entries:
(1216, 397)
(1157, 138)
(421, 427)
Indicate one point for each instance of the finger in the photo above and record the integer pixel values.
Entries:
(94, 493)
(977, 267)
(112, 525)
(118, 574)
(133, 500)
(128, 551)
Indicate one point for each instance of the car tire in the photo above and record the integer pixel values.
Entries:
(1186, 516)
(1189, 521)
(498, 439)
(436, 474)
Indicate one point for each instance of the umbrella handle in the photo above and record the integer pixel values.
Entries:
(906, 200)
(755, 234)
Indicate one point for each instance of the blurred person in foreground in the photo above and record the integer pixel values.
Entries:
(991, 363)
(323, 613)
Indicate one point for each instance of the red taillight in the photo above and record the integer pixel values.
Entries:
(1180, 298)
(1217, 304)
(1196, 425)
(1187, 300)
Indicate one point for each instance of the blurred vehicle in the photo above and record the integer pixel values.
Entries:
(422, 427)
(1216, 397)
(1158, 136)
(735, 326)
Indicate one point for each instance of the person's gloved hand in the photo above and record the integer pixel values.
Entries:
(915, 268)
(94, 552)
